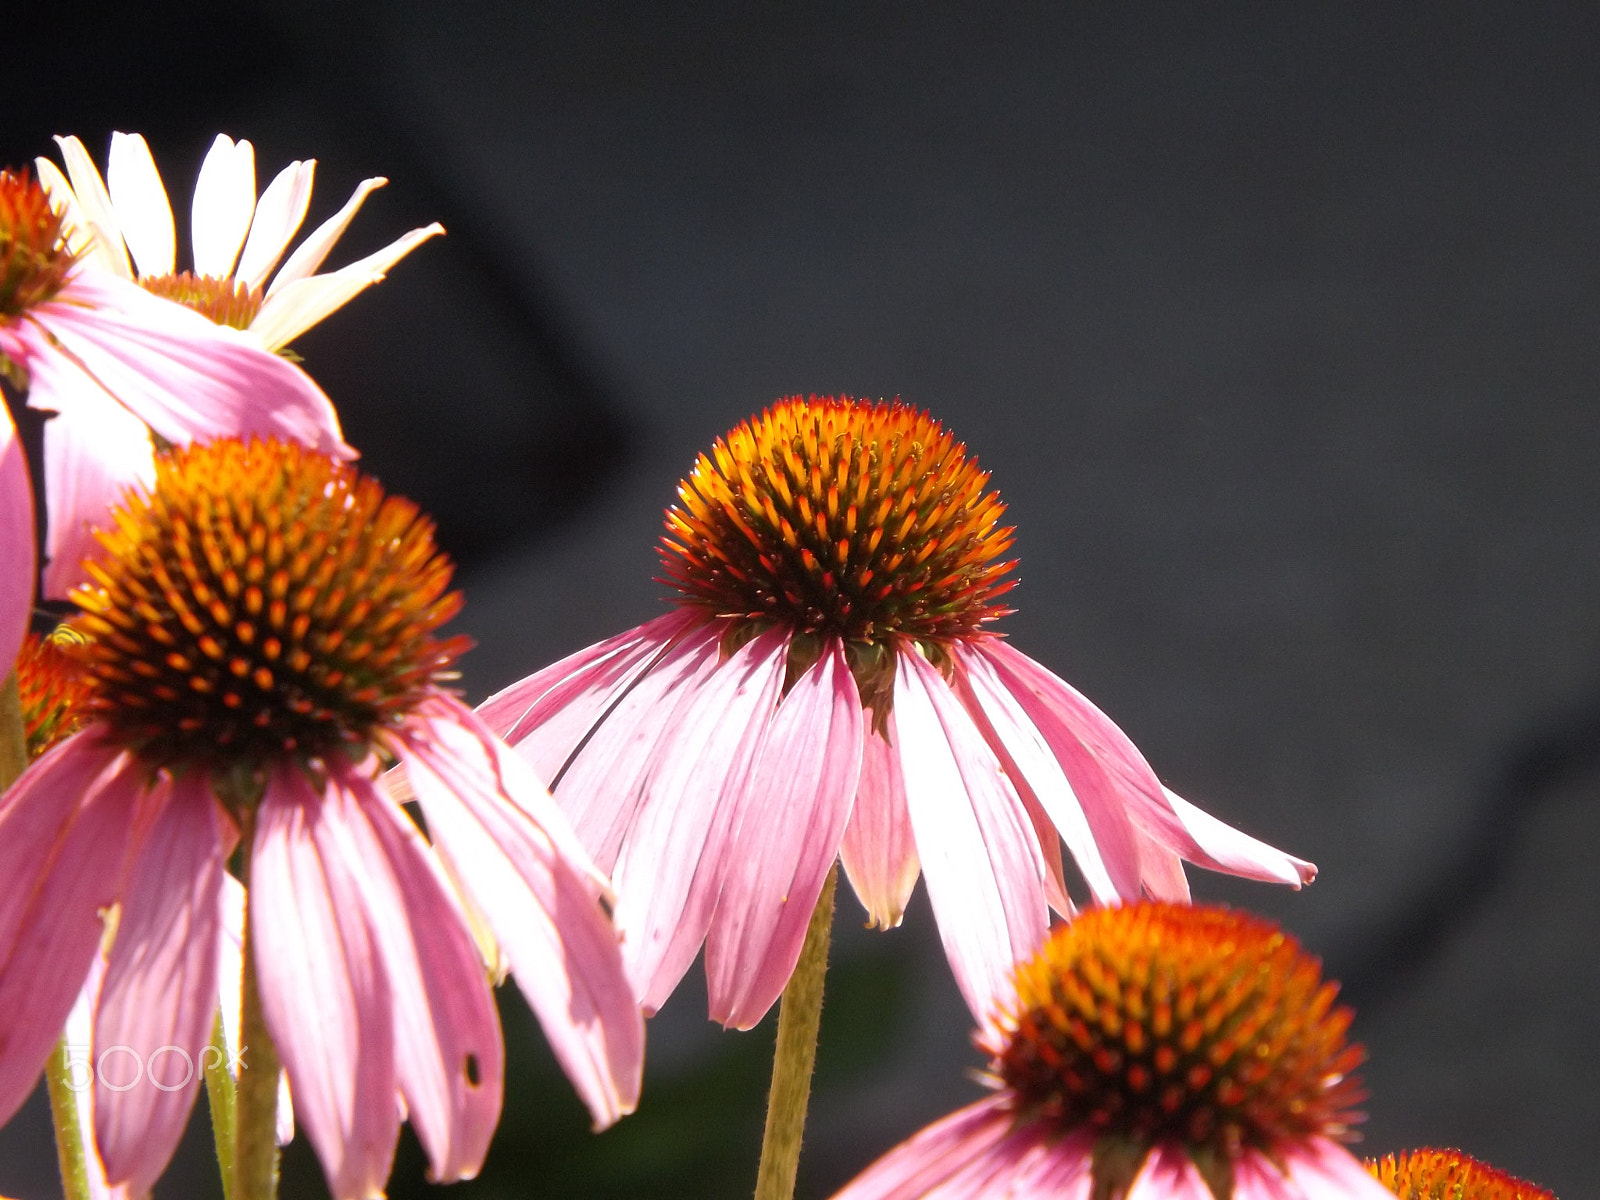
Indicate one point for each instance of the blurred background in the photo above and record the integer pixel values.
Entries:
(1276, 325)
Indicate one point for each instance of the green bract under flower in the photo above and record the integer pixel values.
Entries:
(262, 602)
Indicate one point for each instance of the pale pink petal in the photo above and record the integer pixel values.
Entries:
(1215, 844)
(159, 999)
(1035, 770)
(792, 815)
(324, 992)
(1162, 870)
(75, 227)
(547, 715)
(16, 543)
(224, 201)
(1320, 1169)
(604, 783)
(184, 376)
(512, 849)
(1106, 773)
(140, 202)
(675, 857)
(448, 1056)
(94, 450)
(294, 308)
(278, 214)
(308, 255)
(1169, 1174)
(979, 855)
(95, 205)
(878, 850)
(63, 843)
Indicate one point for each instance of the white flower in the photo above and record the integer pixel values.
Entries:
(238, 239)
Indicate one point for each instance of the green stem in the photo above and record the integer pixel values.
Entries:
(255, 1144)
(63, 1100)
(221, 1094)
(799, 1016)
(69, 1134)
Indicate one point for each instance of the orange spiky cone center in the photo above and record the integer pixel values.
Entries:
(53, 689)
(34, 259)
(1196, 1026)
(262, 602)
(1449, 1175)
(230, 302)
(861, 520)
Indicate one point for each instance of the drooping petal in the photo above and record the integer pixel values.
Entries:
(1319, 1168)
(278, 215)
(16, 543)
(224, 201)
(546, 716)
(1218, 845)
(790, 820)
(1105, 772)
(95, 203)
(94, 449)
(878, 849)
(1168, 1173)
(604, 783)
(308, 255)
(979, 856)
(512, 848)
(179, 373)
(324, 992)
(1031, 766)
(448, 1056)
(675, 858)
(159, 998)
(294, 308)
(63, 843)
(140, 203)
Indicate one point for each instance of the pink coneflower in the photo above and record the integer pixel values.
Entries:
(1151, 1052)
(117, 365)
(1450, 1175)
(260, 637)
(830, 687)
(237, 239)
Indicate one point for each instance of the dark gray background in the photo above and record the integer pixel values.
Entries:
(1275, 324)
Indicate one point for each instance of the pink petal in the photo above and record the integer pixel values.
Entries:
(448, 1057)
(16, 543)
(979, 856)
(325, 994)
(277, 216)
(1215, 844)
(675, 858)
(140, 202)
(94, 451)
(1318, 1169)
(224, 200)
(1036, 772)
(547, 715)
(1106, 773)
(178, 372)
(1163, 873)
(230, 981)
(95, 205)
(159, 998)
(605, 782)
(64, 829)
(878, 850)
(1169, 1174)
(791, 816)
(514, 852)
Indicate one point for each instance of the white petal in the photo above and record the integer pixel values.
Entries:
(140, 202)
(74, 225)
(90, 190)
(224, 201)
(278, 215)
(309, 254)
